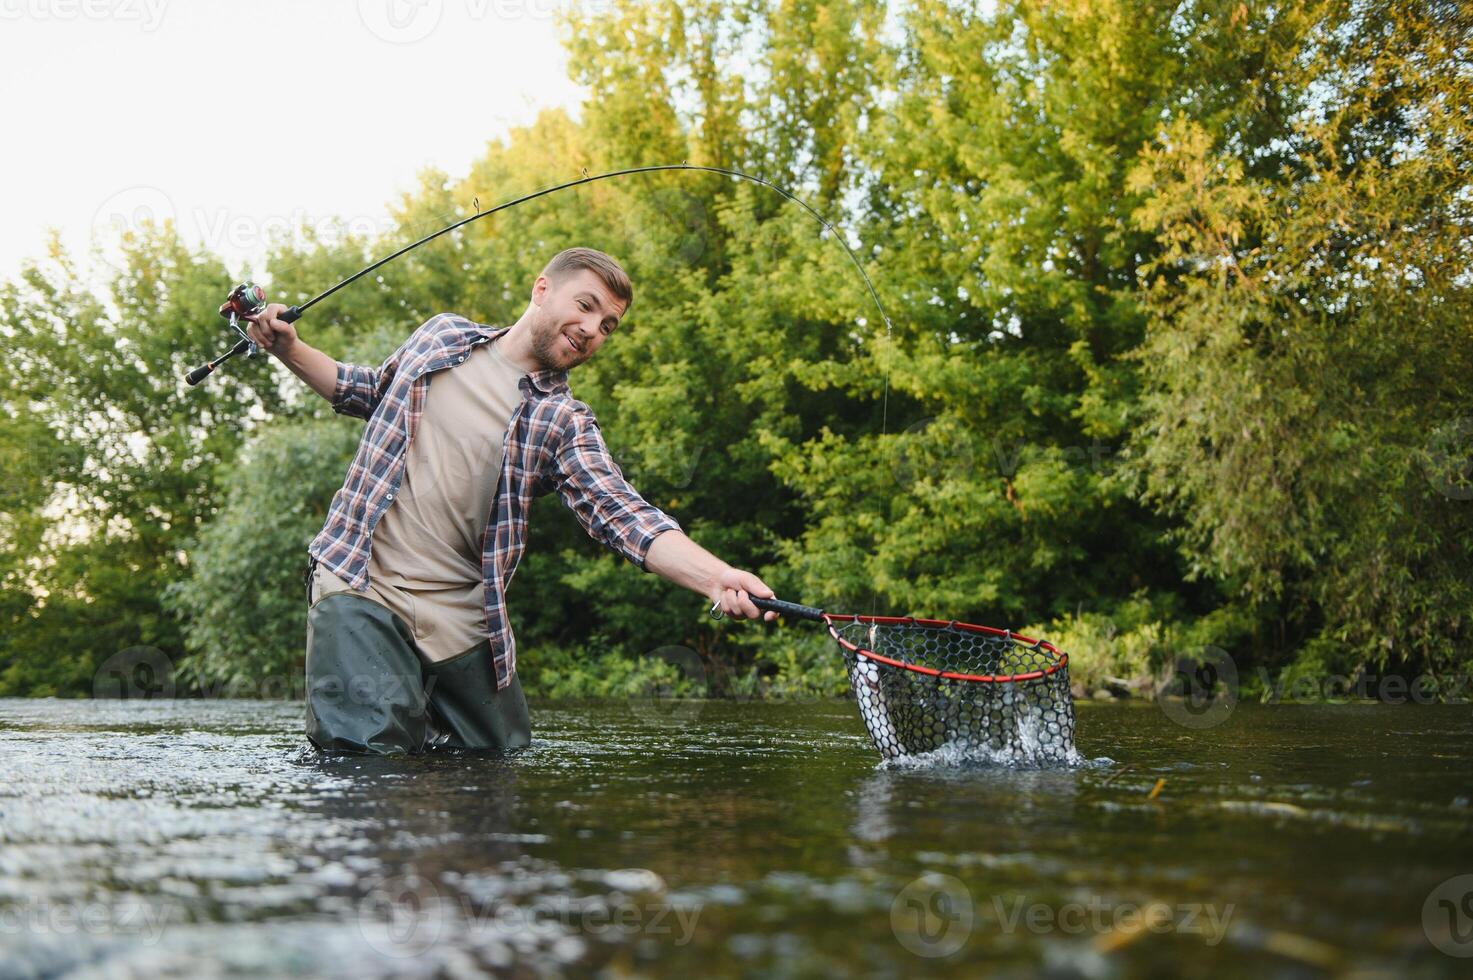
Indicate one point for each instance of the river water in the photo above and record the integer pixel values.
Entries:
(202, 838)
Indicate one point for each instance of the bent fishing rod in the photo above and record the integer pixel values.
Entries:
(248, 299)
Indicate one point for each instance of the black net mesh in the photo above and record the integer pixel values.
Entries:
(1024, 717)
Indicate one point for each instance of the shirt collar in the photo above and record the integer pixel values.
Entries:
(550, 382)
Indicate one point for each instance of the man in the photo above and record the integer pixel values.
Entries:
(408, 642)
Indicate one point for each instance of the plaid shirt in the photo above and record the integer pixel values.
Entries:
(552, 443)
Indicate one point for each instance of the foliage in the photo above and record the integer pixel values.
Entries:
(243, 605)
(1178, 353)
(557, 672)
(1310, 341)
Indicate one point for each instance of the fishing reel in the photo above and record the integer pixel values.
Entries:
(245, 300)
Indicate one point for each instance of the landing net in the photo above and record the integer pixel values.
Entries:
(972, 691)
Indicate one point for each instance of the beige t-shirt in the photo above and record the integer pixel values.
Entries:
(425, 558)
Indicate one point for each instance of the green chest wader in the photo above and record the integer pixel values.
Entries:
(369, 691)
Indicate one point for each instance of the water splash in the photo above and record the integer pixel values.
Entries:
(1032, 745)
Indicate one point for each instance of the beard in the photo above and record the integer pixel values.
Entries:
(550, 349)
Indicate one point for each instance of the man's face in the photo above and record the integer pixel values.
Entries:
(575, 315)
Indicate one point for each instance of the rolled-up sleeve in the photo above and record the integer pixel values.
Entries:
(357, 392)
(359, 388)
(610, 510)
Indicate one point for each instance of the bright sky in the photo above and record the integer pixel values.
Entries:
(240, 117)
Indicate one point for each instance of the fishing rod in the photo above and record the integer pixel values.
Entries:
(248, 299)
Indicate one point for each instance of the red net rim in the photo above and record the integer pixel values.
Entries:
(1061, 657)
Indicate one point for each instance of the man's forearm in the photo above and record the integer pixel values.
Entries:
(319, 371)
(676, 557)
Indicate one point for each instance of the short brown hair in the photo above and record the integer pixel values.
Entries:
(605, 266)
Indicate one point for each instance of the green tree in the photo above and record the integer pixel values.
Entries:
(116, 466)
(1309, 358)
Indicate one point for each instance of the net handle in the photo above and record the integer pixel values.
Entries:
(792, 610)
